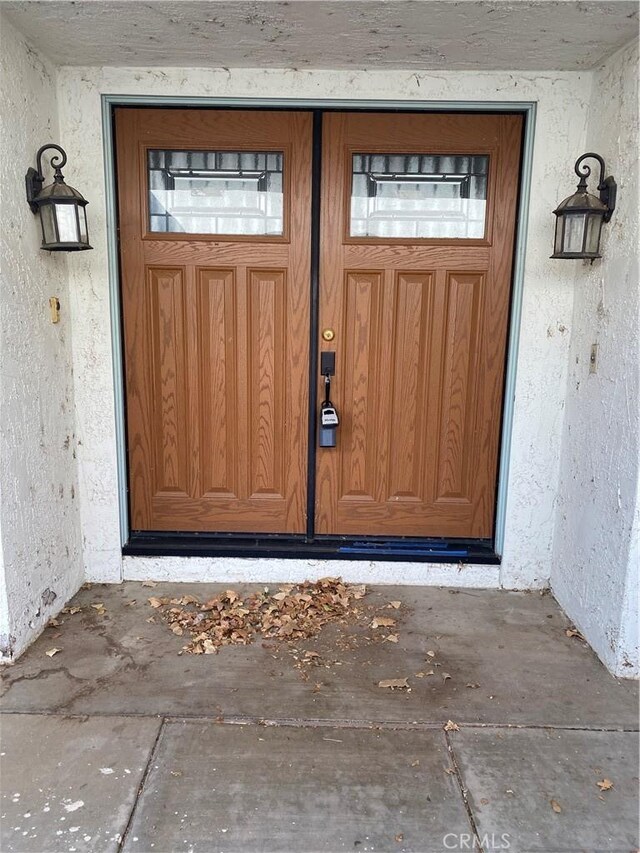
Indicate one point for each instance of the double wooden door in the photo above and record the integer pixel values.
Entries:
(413, 254)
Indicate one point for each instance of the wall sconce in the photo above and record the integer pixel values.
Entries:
(580, 217)
(61, 208)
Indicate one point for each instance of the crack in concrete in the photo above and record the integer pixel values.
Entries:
(463, 792)
(43, 673)
(90, 686)
(147, 770)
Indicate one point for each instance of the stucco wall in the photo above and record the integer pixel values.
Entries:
(548, 296)
(40, 544)
(595, 565)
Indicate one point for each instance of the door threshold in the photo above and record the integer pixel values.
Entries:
(405, 548)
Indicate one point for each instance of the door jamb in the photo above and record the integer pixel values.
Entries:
(527, 108)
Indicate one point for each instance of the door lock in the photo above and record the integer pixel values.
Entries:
(328, 335)
(329, 419)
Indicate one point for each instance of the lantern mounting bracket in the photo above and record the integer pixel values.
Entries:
(34, 178)
(607, 187)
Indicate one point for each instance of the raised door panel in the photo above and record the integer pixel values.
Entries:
(217, 367)
(167, 296)
(456, 444)
(362, 296)
(266, 312)
(412, 315)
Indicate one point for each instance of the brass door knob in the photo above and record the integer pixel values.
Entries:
(328, 334)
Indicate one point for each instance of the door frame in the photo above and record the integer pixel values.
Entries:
(283, 546)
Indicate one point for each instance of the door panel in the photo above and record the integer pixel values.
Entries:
(420, 315)
(459, 385)
(215, 323)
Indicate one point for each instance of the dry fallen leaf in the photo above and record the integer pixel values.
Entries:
(53, 623)
(450, 726)
(150, 583)
(605, 785)
(555, 805)
(51, 652)
(445, 675)
(415, 763)
(99, 606)
(155, 602)
(431, 654)
(449, 770)
(399, 837)
(382, 622)
(573, 632)
(391, 638)
(420, 674)
(472, 685)
(395, 604)
(394, 683)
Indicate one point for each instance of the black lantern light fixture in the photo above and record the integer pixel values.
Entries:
(580, 217)
(61, 208)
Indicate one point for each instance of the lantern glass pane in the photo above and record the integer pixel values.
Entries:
(48, 224)
(559, 230)
(593, 234)
(82, 216)
(67, 223)
(573, 232)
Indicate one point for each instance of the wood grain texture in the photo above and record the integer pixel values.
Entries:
(216, 339)
(421, 328)
(361, 313)
(218, 410)
(412, 314)
(459, 384)
(170, 403)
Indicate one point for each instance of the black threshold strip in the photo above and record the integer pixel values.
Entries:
(155, 544)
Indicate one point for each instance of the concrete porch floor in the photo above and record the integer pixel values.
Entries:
(117, 742)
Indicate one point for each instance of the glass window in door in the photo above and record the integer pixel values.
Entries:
(216, 192)
(417, 196)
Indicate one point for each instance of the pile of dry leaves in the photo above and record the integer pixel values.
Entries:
(295, 611)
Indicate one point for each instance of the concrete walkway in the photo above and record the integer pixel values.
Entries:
(117, 742)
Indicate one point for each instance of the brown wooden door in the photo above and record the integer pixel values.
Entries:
(415, 283)
(215, 285)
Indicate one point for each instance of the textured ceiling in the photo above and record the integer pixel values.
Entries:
(411, 34)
